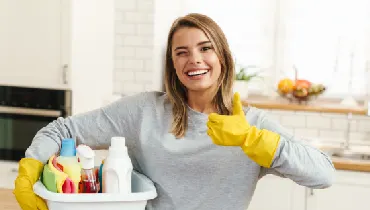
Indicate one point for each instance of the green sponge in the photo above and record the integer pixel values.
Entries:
(49, 179)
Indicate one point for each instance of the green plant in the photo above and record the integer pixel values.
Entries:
(243, 75)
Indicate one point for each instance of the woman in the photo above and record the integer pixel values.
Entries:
(196, 142)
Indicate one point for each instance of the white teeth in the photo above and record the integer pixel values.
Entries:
(193, 73)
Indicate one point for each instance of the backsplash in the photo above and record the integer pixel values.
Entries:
(325, 126)
(134, 46)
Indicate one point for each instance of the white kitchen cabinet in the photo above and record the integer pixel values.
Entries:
(350, 190)
(53, 44)
(273, 192)
(8, 174)
(34, 46)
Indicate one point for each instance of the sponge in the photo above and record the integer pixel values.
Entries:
(55, 180)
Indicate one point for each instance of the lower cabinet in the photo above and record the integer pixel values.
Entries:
(350, 190)
(276, 193)
(8, 174)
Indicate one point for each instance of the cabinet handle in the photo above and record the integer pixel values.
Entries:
(65, 71)
(14, 170)
(311, 191)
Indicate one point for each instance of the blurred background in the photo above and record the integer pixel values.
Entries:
(306, 62)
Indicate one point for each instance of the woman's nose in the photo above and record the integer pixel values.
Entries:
(195, 58)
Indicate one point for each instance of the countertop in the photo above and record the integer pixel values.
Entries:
(7, 200)
(351, 165)
(328, 106)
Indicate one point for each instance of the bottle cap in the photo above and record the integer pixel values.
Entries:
(86, 156)
(118, 142)
(118, 147)
(68, 148)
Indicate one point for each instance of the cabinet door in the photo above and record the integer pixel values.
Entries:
(8, 174)
(33, 42)
(351, 190)
(276, 193)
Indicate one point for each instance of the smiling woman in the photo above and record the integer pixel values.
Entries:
(200, 67)
(196, 142)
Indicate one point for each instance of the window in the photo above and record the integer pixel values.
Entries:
(248, 25)
(328, 42)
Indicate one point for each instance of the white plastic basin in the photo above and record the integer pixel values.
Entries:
(143, 190)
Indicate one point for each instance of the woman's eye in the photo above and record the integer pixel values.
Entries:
(180, 53)
(206, 48)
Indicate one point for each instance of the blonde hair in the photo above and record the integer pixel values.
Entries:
(177, 92)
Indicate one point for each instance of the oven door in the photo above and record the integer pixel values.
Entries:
(18, 126)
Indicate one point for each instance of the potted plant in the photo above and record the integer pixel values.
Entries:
(242, 79)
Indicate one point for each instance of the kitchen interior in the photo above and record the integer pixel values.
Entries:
(305, 62)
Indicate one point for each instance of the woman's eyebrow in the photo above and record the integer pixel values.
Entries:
(184, 47)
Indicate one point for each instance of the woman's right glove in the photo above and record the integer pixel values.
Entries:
(234, 130)
(29, 173)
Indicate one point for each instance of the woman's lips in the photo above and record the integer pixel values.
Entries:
(197, 74)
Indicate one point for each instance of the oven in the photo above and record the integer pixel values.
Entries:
(23, 112)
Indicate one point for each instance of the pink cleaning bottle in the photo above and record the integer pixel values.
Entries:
(88, 182)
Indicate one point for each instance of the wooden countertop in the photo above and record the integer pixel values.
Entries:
(7, 200)
(329, 106)
(351, 165)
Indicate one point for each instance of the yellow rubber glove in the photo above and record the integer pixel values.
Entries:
(234, 130)
(29, 173)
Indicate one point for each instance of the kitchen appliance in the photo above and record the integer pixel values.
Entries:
(23, 112)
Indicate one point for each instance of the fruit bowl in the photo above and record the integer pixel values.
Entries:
(299, 90)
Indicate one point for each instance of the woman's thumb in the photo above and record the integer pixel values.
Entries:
(237, 105)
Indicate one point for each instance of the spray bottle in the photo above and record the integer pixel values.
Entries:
(88, 179)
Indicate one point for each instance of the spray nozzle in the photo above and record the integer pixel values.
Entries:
(86, 156)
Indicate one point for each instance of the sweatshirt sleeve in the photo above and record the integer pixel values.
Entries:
(300, 162)
(94, 128)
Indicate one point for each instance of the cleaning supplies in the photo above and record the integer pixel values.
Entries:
(69, 162)
(55, 180)
(100, 176)
(88, 179)
(117, 169)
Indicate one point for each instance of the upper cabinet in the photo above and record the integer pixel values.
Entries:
(34, 49)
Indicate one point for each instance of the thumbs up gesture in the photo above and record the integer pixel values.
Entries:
(234, 130)
(229, 130)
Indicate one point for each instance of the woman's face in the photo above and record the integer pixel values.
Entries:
(197, 65)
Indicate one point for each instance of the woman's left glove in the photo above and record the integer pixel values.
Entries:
(29, 172)
(234, 130)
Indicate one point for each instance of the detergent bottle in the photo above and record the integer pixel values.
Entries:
(69, 162)
(88, 179)
(117, 168)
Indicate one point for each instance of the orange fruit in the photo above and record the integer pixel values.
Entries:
(302, 84)
(286, 85)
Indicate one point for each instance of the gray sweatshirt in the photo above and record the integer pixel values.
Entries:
(190, 173)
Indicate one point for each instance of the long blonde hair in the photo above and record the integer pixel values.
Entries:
(177, 92)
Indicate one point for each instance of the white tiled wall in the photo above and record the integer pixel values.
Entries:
(134, 46)
(327, 127)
